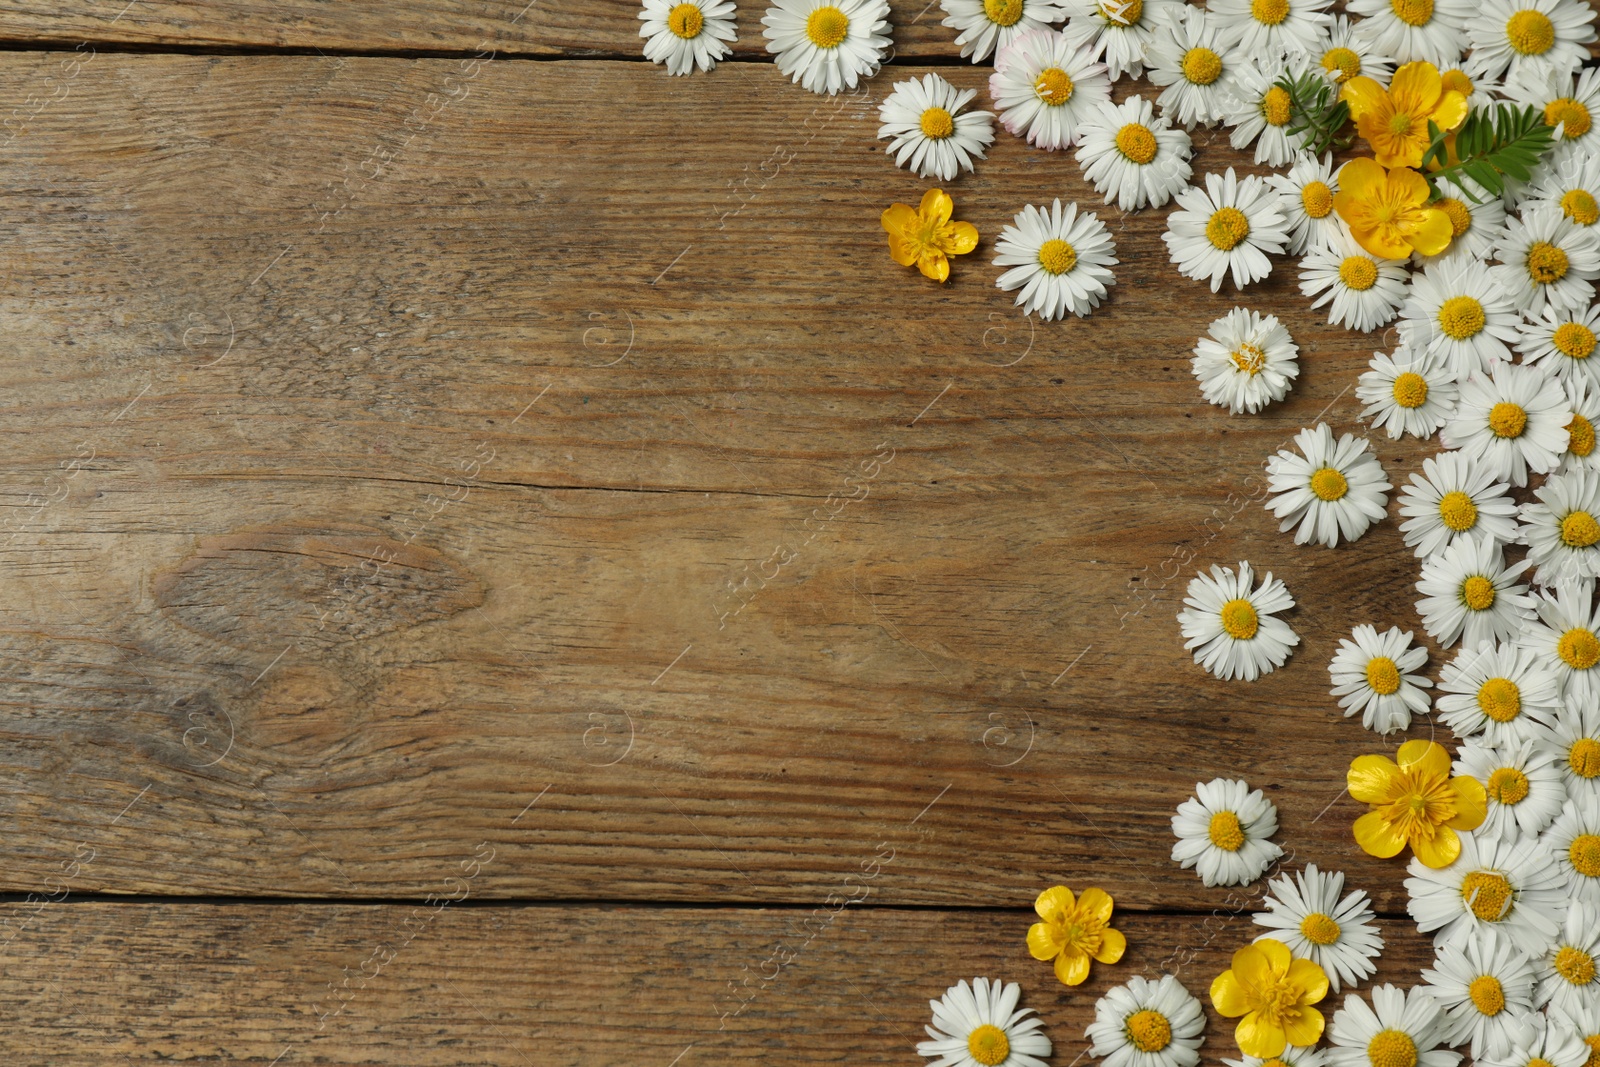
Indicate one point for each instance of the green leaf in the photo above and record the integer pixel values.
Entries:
(1490, 147)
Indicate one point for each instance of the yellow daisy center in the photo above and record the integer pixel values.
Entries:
(1593, 1041)
(1123, 14)
(1579, 206)
(1546, 263)
(1574, 340)
(1580, 436)
(1384, 678)
(1584, 852)
(1579, 648)
(827, 26)
(1412, 12)
(1053, 86)
(1269, 12)
(1584, 757)
(1239, 619)
(1319, 929)
(1057, 257)
(686, 21)
(1454, 210)
(1275, 106)
(1410, 389)
(1274, 1062)
(1487, 994)
(1477, 593)
(1575, 965)
(937, 124)
(1226, 228)
(1201, 66)
(1225, 831)
(1360, 273)
(1329, 484)
(1457, 511)
(1571, 115)
(1579, 530)
(1461, 317)
(1149, 1030)
(1530, 33)
(1003, 12)
(1249, 359)
(1507, 785)
(1317, 199)
(1507, 419)
(1343, 60)
(988, 1045)
(1137, 143)
(1488, 894)
(1392, 1048)
(1500, 699)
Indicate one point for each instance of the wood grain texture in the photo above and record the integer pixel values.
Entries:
(570, 986)
(382, 462)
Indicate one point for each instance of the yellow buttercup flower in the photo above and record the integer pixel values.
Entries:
(1414, 802)
(1388, 211)
(1274, 993)
(1395, 120)
(1074, 931)
(926, 236)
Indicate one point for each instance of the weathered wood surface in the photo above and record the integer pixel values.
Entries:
(381, 463)
(94, 983)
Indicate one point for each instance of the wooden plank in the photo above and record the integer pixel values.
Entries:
(572, 985)
(587, 28)
(380, 464)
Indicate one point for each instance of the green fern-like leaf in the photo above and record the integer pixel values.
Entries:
(1316, 111)
(1492, 147)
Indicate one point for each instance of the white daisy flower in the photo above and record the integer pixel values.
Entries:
(1514, 887)
(982, 1025)
(1580, 453)
(1481, 92)
(1120, 30)
(1185, 57)
(1332, 491)
(1258, 27)
(1547, 261)
(1567, 638)
(1306, 197)
(687, 34)
(1045, 87)
(1131, 156)
(1347, 55)
(1514, 422)
(929, 132)
(1499, 694)
(827, 45)
(1457, 314)
(1406, 393)
(1561, 529)
(1363, 291)
(1476, 226)
(1246, 361)
(1574, 840)
(1573, 742)
(1569, 970)
(1552, 1042)
(1452, 499)
(1412, 30)
(1517, 36)
(1222, 832)
(1231, 224)
(1147, 1024)
(1230, 625)
(1469, 592)
(987, 26)
(1372, 674)
(1060, 259)
(1291, 1056)
(1405, 1030)
(1260, 111)
(1585, 1022)
(1523, 790)
(1572, 188)
(1337, 935)
(1569, 103)
(1561, 342)
(1485, 986)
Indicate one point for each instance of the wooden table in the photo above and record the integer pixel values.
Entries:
(501, 567)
